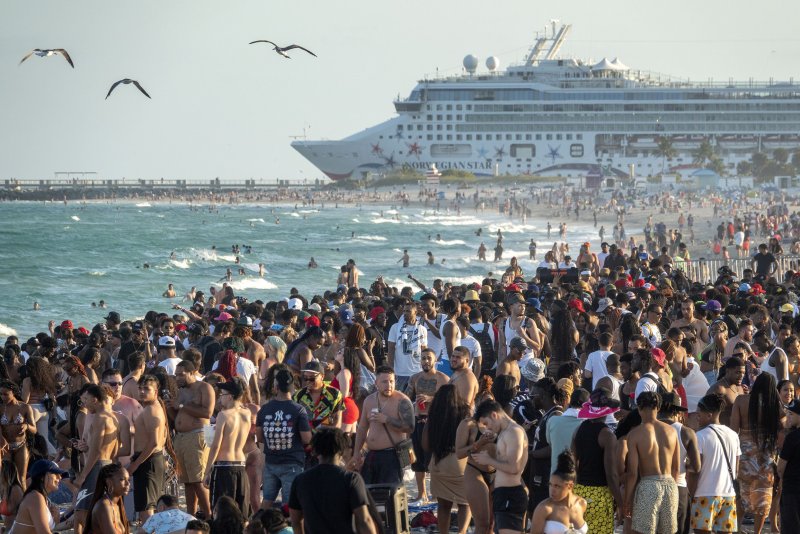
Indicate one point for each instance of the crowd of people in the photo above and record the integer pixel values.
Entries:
(627, 396)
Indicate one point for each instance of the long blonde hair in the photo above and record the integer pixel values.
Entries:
(279, 345)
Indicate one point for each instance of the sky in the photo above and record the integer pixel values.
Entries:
(223, 108)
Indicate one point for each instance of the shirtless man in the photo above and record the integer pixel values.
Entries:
(255, 351)
(510, 364)
(387, 418)
(421, 389)
(225, 472)
(509, 496)
(191, 411)
(652, 460)
(700, 326)
(463, 377)
(169, 293)
(103, 439)
(147, 462)
(130, 384)
(730, 387)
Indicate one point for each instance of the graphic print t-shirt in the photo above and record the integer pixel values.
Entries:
(280, 422)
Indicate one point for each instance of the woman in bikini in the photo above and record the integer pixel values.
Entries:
(478, 478)
(36, 512)
(39, 392)
(16, 418)
(107, 514)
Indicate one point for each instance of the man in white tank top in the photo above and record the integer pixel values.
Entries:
(689, 454)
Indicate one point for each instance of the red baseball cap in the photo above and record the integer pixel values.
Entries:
(576, 305)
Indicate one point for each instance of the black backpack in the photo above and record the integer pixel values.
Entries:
(488, 354)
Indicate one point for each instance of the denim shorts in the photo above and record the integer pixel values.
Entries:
(279, 477)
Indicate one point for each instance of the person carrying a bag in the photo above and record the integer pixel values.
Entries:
(387, 420)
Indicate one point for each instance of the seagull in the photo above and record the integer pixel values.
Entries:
(47, 52)
(282, 50)
(127, 81)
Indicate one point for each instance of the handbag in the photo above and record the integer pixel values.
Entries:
(403, 449)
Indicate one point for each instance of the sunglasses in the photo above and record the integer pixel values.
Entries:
(309, 378)
(113, 384)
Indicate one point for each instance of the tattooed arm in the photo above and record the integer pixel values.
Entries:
(405, 420)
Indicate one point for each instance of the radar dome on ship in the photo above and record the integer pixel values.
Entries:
(492, 63)
(471, 63)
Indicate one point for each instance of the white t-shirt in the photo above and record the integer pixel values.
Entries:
(715, 480)
(601, 258)
(170, 364)
(596, 364)
(436, 344)
(409, 340)
(244, 368)
(648, 382)
(474, 347)
(652, 333)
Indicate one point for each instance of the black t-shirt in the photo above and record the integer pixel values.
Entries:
(763, 263)
(280, 422)
(791, 454)
(327, 496)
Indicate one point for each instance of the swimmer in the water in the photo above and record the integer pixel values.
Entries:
(169, 293)
(36, 306)
(261, 270)
(312, 264)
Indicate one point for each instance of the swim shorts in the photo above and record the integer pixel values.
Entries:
(510, 506)
(714, 513)
(655, 505)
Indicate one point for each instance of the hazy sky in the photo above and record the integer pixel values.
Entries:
(223, 108)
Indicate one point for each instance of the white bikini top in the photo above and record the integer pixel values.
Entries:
(556, 527)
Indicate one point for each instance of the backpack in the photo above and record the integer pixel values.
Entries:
(488, 354)
(661, 390)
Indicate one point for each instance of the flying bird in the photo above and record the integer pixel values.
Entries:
(47, 52)
(282, 50)
(127, 81)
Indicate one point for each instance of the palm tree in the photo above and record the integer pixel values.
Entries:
(759, 161)
(704, 154)
(665, 150)
(780, 155)
(718, 166)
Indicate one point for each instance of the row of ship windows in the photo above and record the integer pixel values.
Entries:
(645, 94)
(637, 127)
(639, 117)
(510, 137)
(721, 107)
(672, 117)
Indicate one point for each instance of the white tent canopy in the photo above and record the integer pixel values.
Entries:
(610, 65)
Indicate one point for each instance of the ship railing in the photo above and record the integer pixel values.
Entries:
(706, 270)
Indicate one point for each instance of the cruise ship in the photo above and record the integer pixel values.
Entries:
(552, 116)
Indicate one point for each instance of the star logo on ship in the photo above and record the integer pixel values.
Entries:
(390, 162)
(376, 149)
(552, 153)
(500, 153)
(414, 149)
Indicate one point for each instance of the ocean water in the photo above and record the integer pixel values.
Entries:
(66, 257)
